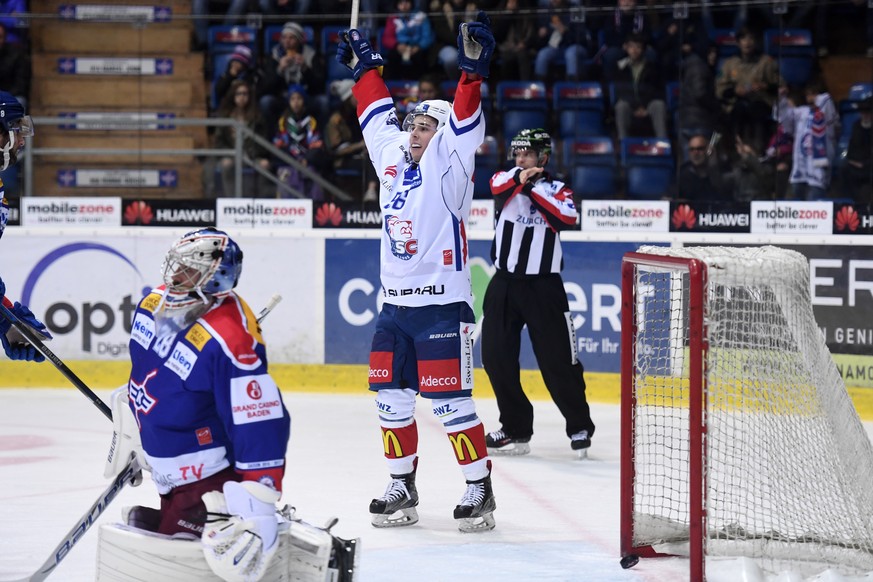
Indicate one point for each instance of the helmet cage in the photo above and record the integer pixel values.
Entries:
(201, 264)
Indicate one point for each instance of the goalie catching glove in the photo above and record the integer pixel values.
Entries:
(15, 345)
(476, 45)
(355, 46)
(240, 536)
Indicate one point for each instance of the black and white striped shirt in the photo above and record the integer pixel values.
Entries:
(526, 240)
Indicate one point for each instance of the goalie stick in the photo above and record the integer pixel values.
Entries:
(274, 300)
(127, 475)
(130, 472)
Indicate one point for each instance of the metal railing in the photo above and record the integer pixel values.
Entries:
(139, 123)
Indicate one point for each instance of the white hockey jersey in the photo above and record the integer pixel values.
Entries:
(425, 206)
(814, 130)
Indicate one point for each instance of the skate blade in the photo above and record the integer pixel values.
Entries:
(511, 450)
(399, 518)
(582, 454)
(485, 522)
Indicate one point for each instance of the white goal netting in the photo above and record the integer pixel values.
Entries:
(788, 466)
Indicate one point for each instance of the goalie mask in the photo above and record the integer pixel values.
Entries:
(202, 264)
(536, 140)
(15, 126)
(436, 108)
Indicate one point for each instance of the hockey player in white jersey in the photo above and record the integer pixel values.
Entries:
(422, 343)
(14, 127)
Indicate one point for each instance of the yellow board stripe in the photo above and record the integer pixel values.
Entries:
(326, 379)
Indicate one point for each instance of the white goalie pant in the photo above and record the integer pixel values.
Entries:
(129, 554)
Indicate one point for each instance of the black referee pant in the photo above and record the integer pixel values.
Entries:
(540, 302)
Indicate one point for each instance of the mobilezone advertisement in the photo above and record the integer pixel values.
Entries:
(85, 283)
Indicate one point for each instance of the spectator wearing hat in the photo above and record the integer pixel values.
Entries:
(345, 141)
(858, 171)
(298, 136)
(242, 65)
(291, 62)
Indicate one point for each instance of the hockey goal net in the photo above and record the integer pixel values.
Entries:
(738, 435)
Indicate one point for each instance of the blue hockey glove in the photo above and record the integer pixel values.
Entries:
(353, 45)
(476, 45)
(21, 349)
(2, 290)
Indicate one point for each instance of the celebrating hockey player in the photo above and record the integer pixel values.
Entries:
(209, 415)
(527, 289)
(422, 343)
(14, 127)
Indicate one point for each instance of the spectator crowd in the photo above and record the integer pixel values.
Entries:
(732, 92)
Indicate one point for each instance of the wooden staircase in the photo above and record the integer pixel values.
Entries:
(87, 69)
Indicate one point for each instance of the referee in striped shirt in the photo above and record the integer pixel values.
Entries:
(527, 289)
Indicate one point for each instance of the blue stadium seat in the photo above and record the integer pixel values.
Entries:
(795, 51)
(860, 91)
(448, 88)
(580, 108)
(224, 37)
(848, 109)
(329, 40)
(648, 165)
(487, 162)
(404, 93)
(592, 167)
(273, 33)
(594, 182)
(725, 40)
(597, 150)
(523, 104)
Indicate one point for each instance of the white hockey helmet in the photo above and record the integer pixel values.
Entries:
(202, 263)
(436, 108)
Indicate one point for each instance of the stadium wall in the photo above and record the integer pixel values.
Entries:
(84, 283)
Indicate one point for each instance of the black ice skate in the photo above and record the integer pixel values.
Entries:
(501, 443)
(397, 506)
(475, 511)
(580, 442)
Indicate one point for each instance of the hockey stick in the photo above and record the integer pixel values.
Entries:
(274, 300)
(127, 475)
(353, 23)
(36, 342)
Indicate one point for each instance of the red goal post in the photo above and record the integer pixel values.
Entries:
(738, 435)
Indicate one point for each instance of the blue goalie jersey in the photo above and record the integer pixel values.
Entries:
(203, 398)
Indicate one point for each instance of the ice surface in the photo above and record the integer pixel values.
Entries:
(557, 517)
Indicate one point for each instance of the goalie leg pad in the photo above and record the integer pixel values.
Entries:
(305, 554)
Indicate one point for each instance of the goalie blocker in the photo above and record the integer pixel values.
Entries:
(306, 553)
